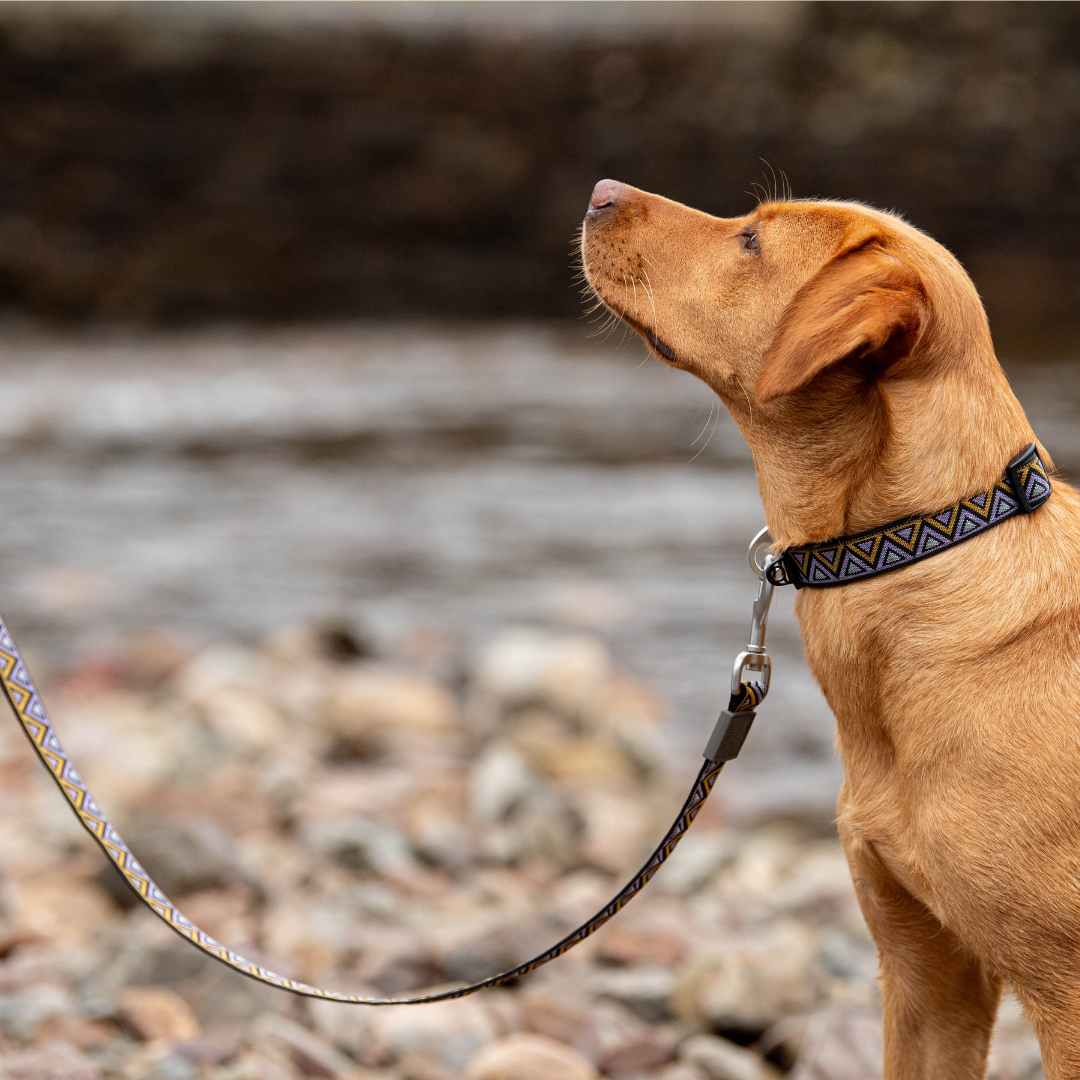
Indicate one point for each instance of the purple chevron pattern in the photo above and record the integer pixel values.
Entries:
(865, 555)
(750, 696)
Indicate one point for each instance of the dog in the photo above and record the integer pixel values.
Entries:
(853, 352)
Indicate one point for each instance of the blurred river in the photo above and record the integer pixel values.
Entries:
(427, 484)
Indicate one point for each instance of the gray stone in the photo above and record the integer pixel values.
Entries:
(719, 1059)
(751, 982)
(525, 1056)
(23, 1010)
(646, 989)
(312, 1054)
(181, 855)
(839, 1044)
(362, 845)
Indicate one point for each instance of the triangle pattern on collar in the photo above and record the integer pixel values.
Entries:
(1023, 489)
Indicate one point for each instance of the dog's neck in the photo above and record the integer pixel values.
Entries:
(847, 454)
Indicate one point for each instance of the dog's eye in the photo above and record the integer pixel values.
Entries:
(749, 239)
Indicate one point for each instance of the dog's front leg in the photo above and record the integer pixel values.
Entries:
(939, 1001)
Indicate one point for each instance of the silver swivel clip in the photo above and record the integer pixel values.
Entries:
(734, 724)
(754, 657)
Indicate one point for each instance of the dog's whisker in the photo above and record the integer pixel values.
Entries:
(714, 417)
(708, 421)
(649, 293)
(749, 401)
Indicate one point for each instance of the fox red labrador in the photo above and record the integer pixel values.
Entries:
(853, 353)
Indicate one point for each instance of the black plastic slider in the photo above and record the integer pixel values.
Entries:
(779, 572)
(729, 735)
(1012, 471)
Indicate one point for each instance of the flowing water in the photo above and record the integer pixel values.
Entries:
(427, 484)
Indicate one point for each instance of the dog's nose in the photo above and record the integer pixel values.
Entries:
(606, 193)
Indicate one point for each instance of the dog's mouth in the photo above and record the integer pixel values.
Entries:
(656, 343)
(599, 272)
(661, 347)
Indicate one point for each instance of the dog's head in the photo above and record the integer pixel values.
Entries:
(837, 335)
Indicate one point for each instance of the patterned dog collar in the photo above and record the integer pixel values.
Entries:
(1023, 487)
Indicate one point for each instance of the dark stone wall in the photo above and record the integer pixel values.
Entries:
(347, 168)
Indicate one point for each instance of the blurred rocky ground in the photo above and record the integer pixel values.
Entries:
(362, 826)
(172, 162)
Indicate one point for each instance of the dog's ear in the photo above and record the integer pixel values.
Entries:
(864, 304)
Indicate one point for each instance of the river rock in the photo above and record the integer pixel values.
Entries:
(131, 744)
(839, 1044)
(77, 1031)
(563, 1014)
(156, 1012)
(555, 750)
(681, 1070)
(346, 1027)
(638, 1054)
(447, 1034)
(521, 817)
(214, 1047)
(265, 1062)
(330, 879)
(818, 886)
(523, 665)
(439, 839)
(312, 1055)
(645, 989)
(183, 856)
(245, 720)
(222, 670)
(720, 1059)
(369, 707)
(362, 845)
(589, 761)
(698, 857)
(748, 985)
(1014, 1051)
(618, 830)
(499, 781)
(314, 931)
(498, 946)
(526, 1056)
(627, 703)
(601, 1030)
(57, 1061)
(647, 939)
(25, 1008)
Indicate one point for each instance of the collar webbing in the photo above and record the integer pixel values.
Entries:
(1023, 487)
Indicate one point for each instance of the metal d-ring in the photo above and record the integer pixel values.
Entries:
(771, 568)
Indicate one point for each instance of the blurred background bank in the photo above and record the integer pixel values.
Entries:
(291, 332)
(291, 329)
(297, 392)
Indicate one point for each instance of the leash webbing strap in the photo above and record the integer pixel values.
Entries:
(1023, 487)
(26, 702)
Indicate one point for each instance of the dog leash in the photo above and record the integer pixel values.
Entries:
(724, 745)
